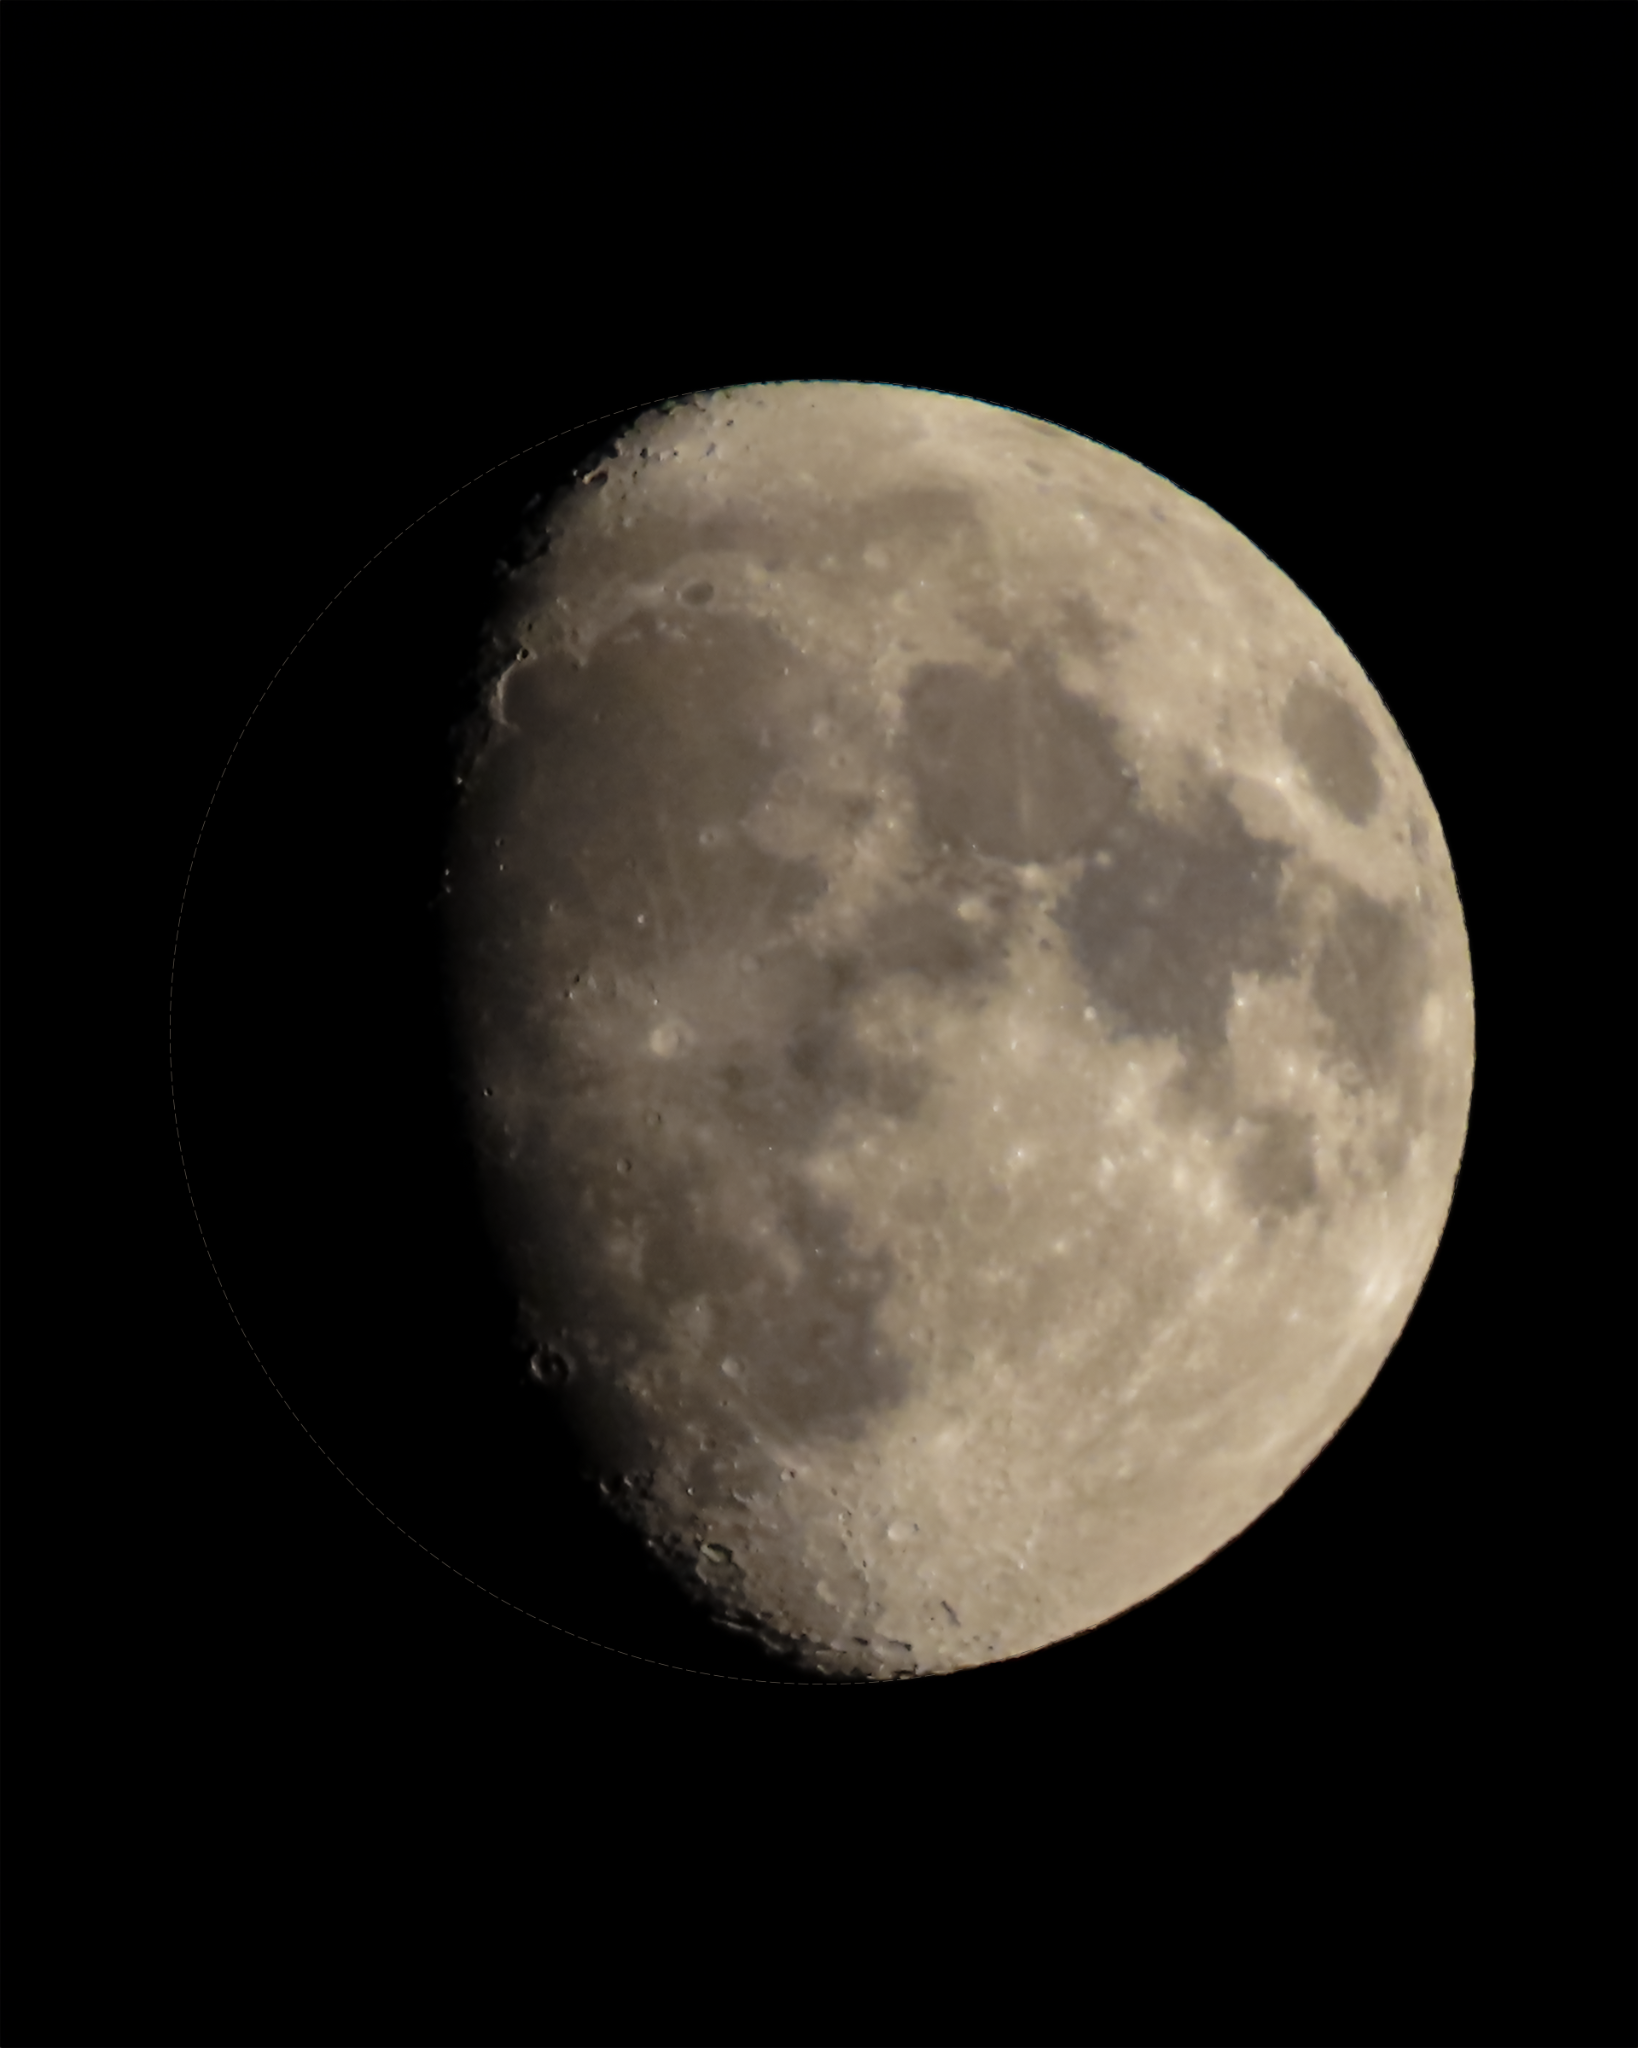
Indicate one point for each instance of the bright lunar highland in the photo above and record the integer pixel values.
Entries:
(965, 1009)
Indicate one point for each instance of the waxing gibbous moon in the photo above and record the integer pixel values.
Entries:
(965, 1012)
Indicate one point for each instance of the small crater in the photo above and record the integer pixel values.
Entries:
(550, 1367)
(698, 593)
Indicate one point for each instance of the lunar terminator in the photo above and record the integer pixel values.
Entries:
(965, 1011)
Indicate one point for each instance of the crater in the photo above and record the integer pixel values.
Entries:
(1334, 748)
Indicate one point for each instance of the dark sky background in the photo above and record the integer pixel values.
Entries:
(326, 1720)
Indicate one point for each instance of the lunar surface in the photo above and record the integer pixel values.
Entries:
(965, 1009)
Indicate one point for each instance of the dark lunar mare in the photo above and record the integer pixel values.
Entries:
(1163, 914)
(604, 846)
(1015, 768)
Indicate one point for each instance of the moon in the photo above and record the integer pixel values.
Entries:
(964, 1011)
